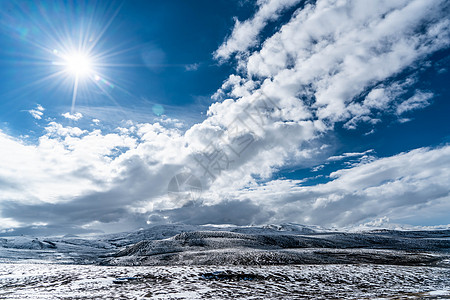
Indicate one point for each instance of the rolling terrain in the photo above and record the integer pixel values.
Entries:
(287, 261)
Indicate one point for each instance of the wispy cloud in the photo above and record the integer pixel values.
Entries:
(192, 67)
(38, 112)
(347, 155)
(419, 100)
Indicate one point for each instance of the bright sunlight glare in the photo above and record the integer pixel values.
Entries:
(78, 64)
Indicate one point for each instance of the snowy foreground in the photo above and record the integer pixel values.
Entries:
(287, 261)
(44, 281)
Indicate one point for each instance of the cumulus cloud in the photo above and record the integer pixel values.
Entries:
(332, 62)
(66, 163)
(75, 177)
(74, 117)
(79, 180)
(384, 187)
(330, 53)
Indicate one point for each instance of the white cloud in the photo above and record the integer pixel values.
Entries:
(245, 34)
(63, 165)
(350, 154)
(312, 73)
(317, 168)
(170, 122)
(332, 62)
(395, 187)
(38, 112)
(70, 170)
(78, 178)
(192, 67)
(380, 98)
(419, 100)
(235, 86)
(74, 117)
(330, 53)
(57, 129)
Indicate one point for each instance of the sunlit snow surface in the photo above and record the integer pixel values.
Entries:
(50, 281)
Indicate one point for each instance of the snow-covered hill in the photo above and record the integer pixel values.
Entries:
(249, 245)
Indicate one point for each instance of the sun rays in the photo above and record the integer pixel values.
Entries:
(75, 53)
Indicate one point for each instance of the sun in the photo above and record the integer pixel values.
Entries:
(78, 64)
(80, 55)
(75, 49)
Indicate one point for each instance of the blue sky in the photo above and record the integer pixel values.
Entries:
(150, 53)
(277, 110)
